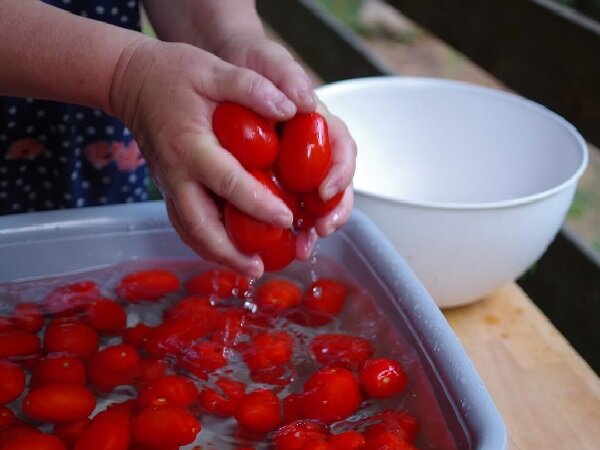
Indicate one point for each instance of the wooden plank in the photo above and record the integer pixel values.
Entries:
(565, 284)
(541, 49)
(329, 48)
(548, 396)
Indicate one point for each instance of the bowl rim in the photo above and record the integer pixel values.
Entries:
(510, 97)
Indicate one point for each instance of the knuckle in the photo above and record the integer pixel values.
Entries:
(228, 183)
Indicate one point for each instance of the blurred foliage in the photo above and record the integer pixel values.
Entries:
(581, 202)
(345, 10)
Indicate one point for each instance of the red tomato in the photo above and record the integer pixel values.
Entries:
(18, 344)
(12, 382)
(382, 378)
(37, 441)
(6, 324)
(220, 283)
(268, 349)
(331, 395)
(293, 408)
(114, 366)
(151, 369)
(341, 350)
(59, 403)
(249, 235)
(7, 418)
(69, 432)
(70, 299)
(312, 202)
(204, 357)
(200, 309)
(225, 403)
(173, 336)
(277, 295)
(305, 153)
(136, 336)
(251, 138)
(348, 440)
(281, 253)
(398, 422)
(387, 441)
(105, 315)
(259, 411)
(295, 435)
(318, 445)
(28, 317)
(158, 427)
(172, 390)
(303, 220)
(325, 299)
(103, 435)
(16, 430)
(73, 338)
(147, 285)
(58, 369)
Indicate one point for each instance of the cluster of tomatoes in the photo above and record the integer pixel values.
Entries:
(209, 355)
(291, 165)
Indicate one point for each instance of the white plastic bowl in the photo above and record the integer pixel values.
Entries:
(469, 183)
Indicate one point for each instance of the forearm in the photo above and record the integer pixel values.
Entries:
(50, 54)
(204, 23)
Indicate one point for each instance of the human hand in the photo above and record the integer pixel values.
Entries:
(166, 93)
(255, 51)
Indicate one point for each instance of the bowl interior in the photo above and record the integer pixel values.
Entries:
(443, 142)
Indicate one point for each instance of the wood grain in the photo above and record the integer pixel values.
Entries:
(548, 395)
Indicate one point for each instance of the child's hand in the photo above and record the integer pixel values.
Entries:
(166, 93)
(260, 54)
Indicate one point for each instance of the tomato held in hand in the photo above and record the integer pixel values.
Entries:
(249, 137)
(280, 253)
(147, 285)
(249, 235)
(311, 201)
(382, 378)
(12, 381)
(305, 153)
(259, 411)
(159, 427)
(59, 403)
(331, 395)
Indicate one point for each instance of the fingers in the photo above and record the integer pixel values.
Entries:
(196, 220)
(226, 82)
(218, 170)
(338, 217)
(343, 155)
(275, 62)
(305, 243)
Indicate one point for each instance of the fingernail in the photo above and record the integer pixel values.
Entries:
(255, 267)
(307, 97)
(333, 223)
(284, 219)
(284, 107)
(329, 192)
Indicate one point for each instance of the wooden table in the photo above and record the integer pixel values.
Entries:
(548, 395)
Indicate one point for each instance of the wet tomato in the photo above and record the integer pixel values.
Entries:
(73, 338)
(387, 441)
(331, 395)
(382, 378)
(293, 408)
(203, 358)
(268, 349)
(69, 432)
(105, 315)
(251, 138)
(58, 369)
(200, 309)
(221, 283)
(7, 418)
(114, 366)
(224, 398)
(104, 434)
(318, 445)
(37, 441)
(400, 423)
(136, 336)
(28, 317)
(324, 300)
(147, 285)
(277, 295)
(59, 403)
(295, 435)
(173, 336)
(281, 253)
(311, 201)
(249, 235)
(71, 298)
(159, 427)
(151, 369)
(347, 440)
(259, 411)
(305, 153)
(12, 382)
(172, 390)
(341, 350)
(18, 343)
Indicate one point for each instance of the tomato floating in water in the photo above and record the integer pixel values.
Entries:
(341, 350)
(259, 411)
(159, 427)
(295, 435)
(12, 381)
(172, 390)
(221, 283)
(37, 441)
(382, 377)
(28, 317)
(58, 369)
(58, 403)
(147, 285)
(277, 295)
(72, 338)
(114, 366)
(105, 316)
